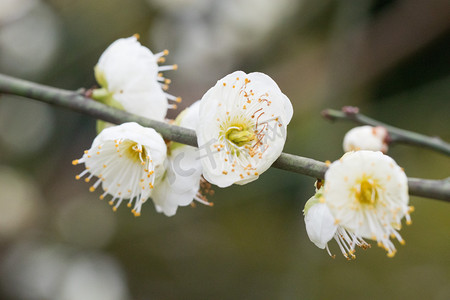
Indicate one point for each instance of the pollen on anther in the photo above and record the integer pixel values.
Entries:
(224, 84)
(224, 172)
(91, 189)
(75, 162)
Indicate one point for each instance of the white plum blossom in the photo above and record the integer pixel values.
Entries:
(131, 79)
(319, 222)
(321, 227)
(242, 128)
(180, 184)
(366, 138)
(367, 194)
(128, 160)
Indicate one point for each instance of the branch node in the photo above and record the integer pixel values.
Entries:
(350, 110)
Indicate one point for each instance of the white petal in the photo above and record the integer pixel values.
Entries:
(241, 100)
(151, 103)
(129, 71)
(127, 159)
(366, 138)
(320, 225)
(191, 118)
(124, 59)
(376, 220)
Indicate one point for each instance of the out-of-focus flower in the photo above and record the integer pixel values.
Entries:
(180, 184)
(366, 138)
(14, 132)
(132, 80)
(127, 159)
(20, 203)
(242, 129)
(32, 269)
(36, 270)
(205, 33)
(93, 276)
(367, 194)
(11, 10)
(30, 35)
(321, 227)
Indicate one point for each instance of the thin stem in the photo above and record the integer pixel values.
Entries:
(436, 189)
(396, 135)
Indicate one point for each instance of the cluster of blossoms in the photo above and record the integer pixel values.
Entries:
(241, 125)
(241, 132)
(364, 196)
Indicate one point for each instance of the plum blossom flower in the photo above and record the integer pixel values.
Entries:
(367, 194)
(366, 138)
(181, 182)
(242, 129)
(321, 227)
(128, 160)
(131, 79)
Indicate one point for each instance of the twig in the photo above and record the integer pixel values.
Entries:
(436, 189)
(396, 135)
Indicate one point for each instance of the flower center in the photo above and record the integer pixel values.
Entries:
(134, 151)
(240, 135)
(367, 193)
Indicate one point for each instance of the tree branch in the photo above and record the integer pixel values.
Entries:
(436, 189)
(396, 135)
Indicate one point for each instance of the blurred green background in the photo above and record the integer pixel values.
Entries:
(58, 241)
